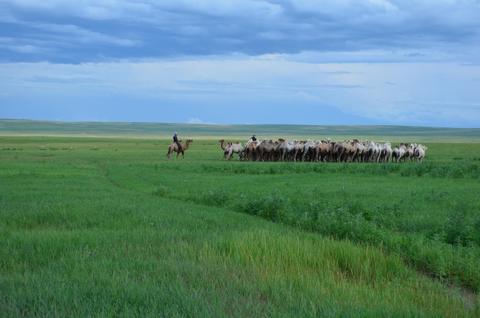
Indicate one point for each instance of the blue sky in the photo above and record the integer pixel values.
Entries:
(246, 61)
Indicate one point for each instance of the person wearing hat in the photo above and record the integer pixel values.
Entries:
(175, 140)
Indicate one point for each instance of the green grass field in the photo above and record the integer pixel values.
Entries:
(109, 227)
(239, 132)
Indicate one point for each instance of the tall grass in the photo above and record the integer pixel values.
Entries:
(408, 169)
(453, 255)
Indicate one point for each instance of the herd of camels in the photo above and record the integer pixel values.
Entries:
(320, 151)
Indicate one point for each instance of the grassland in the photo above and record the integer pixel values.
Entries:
(109, 227)
(240, 132)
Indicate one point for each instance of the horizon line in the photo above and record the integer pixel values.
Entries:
(229, 124)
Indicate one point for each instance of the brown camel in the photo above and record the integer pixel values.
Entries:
(174, 148)
(251, 150)
(222, 143)
(224, 147)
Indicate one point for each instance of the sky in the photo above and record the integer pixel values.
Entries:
(242, 61)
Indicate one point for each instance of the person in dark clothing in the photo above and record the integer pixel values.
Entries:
(175, 140)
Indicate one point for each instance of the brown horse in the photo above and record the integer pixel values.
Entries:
(174, 148)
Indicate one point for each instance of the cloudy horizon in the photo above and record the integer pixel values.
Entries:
(234, 62)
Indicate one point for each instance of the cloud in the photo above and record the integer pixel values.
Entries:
(194, 120)
(341, 61)
(80, 35)
(254, 90)
(80, 31)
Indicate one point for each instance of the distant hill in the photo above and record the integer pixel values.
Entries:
(165, 130)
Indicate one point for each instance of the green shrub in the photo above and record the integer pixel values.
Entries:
(160, 191)
(461, 228)
(271, 206)
(214, 197)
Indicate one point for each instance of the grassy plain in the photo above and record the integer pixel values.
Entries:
(107, 226)
(15, 127)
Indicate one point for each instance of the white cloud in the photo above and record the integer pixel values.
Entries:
(194, 120)
(424, 93)
(82, 35)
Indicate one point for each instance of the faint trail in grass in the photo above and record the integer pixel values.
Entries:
(105, 172)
